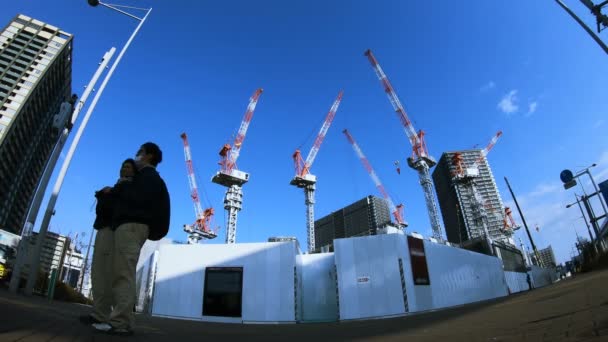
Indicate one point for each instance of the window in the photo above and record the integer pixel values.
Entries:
(12, 29)
(21, 21)
(57, 44)
(223, 293)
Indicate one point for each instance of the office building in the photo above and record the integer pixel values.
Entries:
(361, 218)
(35, 83)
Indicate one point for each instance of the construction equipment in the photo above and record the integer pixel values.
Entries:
(509, 223)
(304, 179)
(200, 229)
(396, 210)
(229, 176)
(420, 160)
(466, 190)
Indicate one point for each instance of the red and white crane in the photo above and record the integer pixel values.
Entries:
(420, 159)
(508, 222)
(200, 229)
(229, 176)
(304, 179)
(396, 210)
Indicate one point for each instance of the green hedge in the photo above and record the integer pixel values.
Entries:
(66, 293)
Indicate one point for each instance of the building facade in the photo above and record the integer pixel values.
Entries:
(361, 218)
(457, 207)
(547, 257)
(35, 82)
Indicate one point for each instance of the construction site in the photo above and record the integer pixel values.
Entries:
(358, 262)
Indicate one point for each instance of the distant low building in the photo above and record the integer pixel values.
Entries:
(547, 258)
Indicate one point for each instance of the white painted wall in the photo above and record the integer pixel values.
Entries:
(144, 283)
(369, 282)
(459, 276)
(542, 276)
(516, 281)
(268, 280)
(317, 277)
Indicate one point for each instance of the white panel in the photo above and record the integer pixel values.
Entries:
(459, 276)
(516, 281)
(268, 280)
(542, 276)
(318, 294)
(369, 280)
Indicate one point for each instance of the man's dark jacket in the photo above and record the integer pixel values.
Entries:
(104, 210)
(144, 200)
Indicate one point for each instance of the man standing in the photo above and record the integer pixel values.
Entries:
(141, 211)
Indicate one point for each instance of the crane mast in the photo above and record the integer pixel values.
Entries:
(396, 210)
(420, 159)
(304, 179)
(232, 178)
(200, 229)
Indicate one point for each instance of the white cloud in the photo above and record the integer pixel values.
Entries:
(508, 103)
(598, 123)
(488, 86)
(544, 189)
(532, 107)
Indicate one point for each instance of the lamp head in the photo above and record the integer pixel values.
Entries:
(93, 2)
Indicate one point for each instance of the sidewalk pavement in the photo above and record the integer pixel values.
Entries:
(574, 309)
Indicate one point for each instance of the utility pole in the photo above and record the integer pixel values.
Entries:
(525, 224)
(85, 262)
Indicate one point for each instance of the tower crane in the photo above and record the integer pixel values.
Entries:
(229, 176)
(305, 180)
(420, 160)
(396, 210)
(200, 229)
(465, 176)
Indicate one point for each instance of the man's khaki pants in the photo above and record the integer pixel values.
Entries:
(128, 240)
(101, 274)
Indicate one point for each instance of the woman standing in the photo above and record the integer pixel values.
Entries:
(101, 267)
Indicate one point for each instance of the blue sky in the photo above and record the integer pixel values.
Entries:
(462, 69)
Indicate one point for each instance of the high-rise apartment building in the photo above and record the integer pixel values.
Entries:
(35, 83)
(457, 208)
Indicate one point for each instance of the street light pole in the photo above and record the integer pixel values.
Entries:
(35, 260)
(585, 27)
(26, 232)
(597, 190)
(578, 201)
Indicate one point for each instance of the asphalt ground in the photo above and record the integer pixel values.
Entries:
(575, 309)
